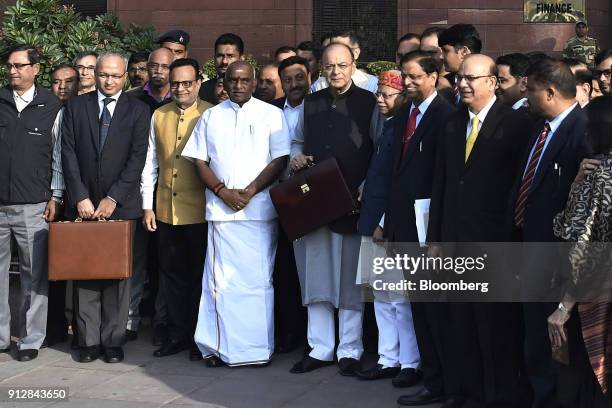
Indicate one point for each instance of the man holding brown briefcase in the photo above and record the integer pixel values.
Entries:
(104, 146)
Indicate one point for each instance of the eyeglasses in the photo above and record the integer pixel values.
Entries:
(386, 96)
(597, 73)
(185, 84)
(17, 66)
(470, 78)
(105, 76)
(341, 67)
(137, 69)
(85, 67)
(162, 67)
(413, 77)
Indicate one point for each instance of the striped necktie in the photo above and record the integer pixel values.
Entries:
(521, 201)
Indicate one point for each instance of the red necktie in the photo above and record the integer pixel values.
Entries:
(410, 128)
(521, 201)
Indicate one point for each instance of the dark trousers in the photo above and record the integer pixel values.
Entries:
(102, 311)
(57, 324)
(431, 322)
(486, 346)
(182, 249)
(289, 314)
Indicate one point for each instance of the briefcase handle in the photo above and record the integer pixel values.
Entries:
(100, 219)
(310, 164)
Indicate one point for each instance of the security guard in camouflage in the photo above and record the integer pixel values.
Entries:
(581, 47)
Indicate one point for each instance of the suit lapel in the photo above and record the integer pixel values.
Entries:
(558, 141)
(421, 129)
(488, 127)
(120, 111)
(93, 113)
(399, 131)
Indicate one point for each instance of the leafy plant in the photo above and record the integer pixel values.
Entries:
(377, 67)
(59, 33)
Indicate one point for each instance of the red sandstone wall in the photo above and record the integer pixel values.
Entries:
(264, 25)
(500, 23)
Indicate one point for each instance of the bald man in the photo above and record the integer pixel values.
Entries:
(156, 92)
(240, 148)
(326, 258)
(102, 167)
(476, 167)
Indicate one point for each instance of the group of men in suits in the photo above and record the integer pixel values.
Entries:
(494, 170)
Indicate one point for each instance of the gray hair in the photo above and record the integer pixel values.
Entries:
(107, 54)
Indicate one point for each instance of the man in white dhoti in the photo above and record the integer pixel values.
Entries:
(240, 148)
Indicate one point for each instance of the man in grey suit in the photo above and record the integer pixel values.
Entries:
(31, 189)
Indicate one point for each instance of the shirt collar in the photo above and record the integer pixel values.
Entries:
(519, 104)
(27, 96)
(484, 111)
(101, 96)
(147, 89)
(237, 107)
(425, 104)
(287, 106)
(556, 122)
(189, 109)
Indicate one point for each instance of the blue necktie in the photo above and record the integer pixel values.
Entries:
(105, 121)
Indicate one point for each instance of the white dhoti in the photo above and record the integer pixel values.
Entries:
(235, 321)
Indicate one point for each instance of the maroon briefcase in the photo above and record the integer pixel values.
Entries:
(312, 198)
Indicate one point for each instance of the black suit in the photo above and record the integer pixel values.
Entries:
(95, 172)
(469, 204)
(546, 197)
(412, 179)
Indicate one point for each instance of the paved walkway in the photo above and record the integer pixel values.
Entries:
(145, 381)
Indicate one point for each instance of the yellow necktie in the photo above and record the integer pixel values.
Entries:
(469, 143)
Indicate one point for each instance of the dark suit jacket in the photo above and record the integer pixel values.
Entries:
(469, 200)
(412, 178)
(377, 182)
(279, 103)
(207, 91)
(116, 173)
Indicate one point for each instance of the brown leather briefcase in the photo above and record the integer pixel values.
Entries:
(312, 198)
(90, 250)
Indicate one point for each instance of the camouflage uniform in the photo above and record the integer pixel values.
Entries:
(584, 51)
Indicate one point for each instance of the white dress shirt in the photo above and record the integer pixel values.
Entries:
(238, 143)
(519, 104)
(292, 114)
(423, 107)
(482, 115)
(360, 78)
(554, 125)
(57, 174)
(111, 106)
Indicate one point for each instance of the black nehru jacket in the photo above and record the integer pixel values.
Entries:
(340, 127)
(26, 147)
(207, 91)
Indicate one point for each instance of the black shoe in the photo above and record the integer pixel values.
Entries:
(53, 339)
(407, 377)
(113, 354)
(170, 348)
(378, 372)
(27, 354)
(89, 354)
(453, 403)
(349, 366)
(214, 362)
(421, 397)
(131, 335)
(160, 335)
(6, 350)
(308, 364)
(195, 354)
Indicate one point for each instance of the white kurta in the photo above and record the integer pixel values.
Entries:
(235, 320)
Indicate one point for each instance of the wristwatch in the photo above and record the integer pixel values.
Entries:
(563, 308)
(58, 200)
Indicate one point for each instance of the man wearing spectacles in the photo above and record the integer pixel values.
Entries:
(31, 191)
(602, 72)
(85, 63)
(178, 218)
(156, 91)
(137, 69)
(477, 160)
(104, 146)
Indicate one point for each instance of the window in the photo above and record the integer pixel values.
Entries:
(375, 23)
